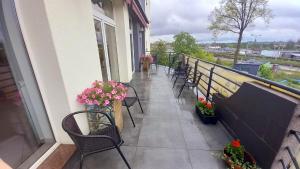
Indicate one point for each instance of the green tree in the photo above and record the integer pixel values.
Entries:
(185, 43)
(159, 49)
(236, 15)
(201, 54)
(265, 71)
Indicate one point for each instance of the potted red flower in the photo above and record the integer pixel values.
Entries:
(206, 112)
(236, 157)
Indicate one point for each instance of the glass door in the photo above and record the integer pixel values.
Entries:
(111, 45)
(101, 50)
(25, 132)
(107, 46)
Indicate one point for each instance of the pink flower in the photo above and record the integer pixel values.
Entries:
(106, 102)
(108, 95)
(98, 91)
(113, 91)
(93, 96)
(118, 97)
(96, 102)
(83, 96)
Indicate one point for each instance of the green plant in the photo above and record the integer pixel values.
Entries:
(185, 43)
(160, 50)
(265, 71)
(235, 153)
(205, 107)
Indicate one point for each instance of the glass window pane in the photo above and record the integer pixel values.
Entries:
(101, 50)
(18, 135)
(112, 52)
(105, 7)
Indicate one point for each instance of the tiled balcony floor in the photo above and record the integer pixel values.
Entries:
(169, 135)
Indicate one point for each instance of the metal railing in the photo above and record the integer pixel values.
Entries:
(226, 81)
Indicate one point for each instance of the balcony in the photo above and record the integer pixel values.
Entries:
(169, 135)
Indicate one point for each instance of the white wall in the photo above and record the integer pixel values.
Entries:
(147, 30)
(123, 40)
(61, 42)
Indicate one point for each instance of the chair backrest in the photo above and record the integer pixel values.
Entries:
(70, 125)
(155, 59)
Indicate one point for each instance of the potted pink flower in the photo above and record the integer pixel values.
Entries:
(146, 60)
(103, 96)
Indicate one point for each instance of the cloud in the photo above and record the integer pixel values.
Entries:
(169, 17)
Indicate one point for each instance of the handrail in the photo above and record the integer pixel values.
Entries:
(272, 83)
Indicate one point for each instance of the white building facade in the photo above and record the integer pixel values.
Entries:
(50, 51)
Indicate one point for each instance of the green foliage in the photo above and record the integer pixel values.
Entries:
(185, 43)
(201, 54)
(265, 71)
(205, 107)
(160, 48)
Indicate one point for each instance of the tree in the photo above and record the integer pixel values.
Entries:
(160, 49)
(265, 71)
(185, 43)
(236, 15)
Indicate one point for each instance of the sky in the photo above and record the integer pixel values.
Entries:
(169, 17)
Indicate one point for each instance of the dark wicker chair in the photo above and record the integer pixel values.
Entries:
(155, 61)
(191, 82)
(183, 74)
(129, 101)
(105, 139)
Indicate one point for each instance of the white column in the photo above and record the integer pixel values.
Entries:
(123, 40)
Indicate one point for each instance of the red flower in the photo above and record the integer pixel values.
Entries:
(235, 143)
(209, 105)
(201, 99)
(203, 102)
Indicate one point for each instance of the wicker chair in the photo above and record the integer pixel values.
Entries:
(106, 139)
(183, 74)
(155, 61)
(131, 100)
(191, 83)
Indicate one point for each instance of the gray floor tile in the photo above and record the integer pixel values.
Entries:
(202, 159)
(161, 132)
(161, 158)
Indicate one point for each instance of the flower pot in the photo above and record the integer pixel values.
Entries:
(247, 158)
(146, 66)
(98, 121)
(118, 114)
(206, 119)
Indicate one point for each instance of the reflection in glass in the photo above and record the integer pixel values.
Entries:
(105, 7)
(112, 52)
(17, 138)
(101, 50)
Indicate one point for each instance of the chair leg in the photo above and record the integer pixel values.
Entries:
(173, 75)
(140, 105)
(130, 116)
(175, 82)
(81, 161)
(181, 89)
(123, 157)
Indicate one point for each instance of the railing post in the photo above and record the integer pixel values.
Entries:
(195, 71)
(282, 163)
(293, 158)
(209, 82)
(169, 63)
(187, 60)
